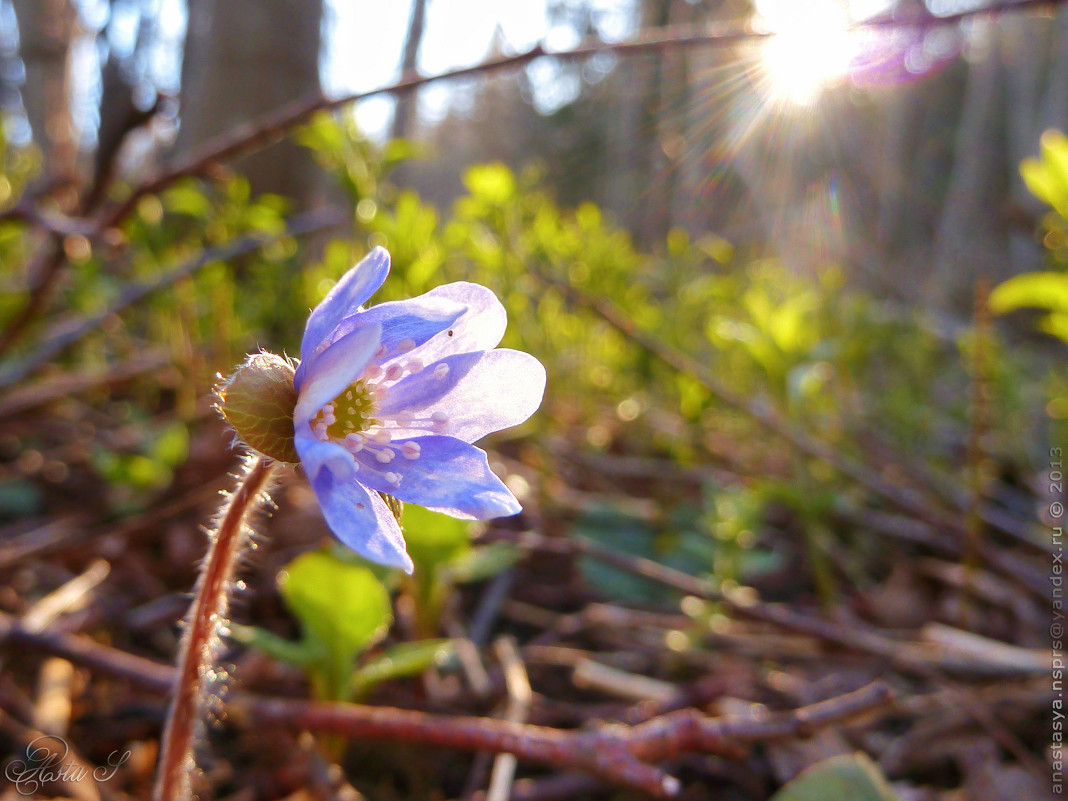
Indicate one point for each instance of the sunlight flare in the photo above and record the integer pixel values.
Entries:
(811, 48)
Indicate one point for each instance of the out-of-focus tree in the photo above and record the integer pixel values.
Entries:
(242, 59)
(405, 109)
(46, 32)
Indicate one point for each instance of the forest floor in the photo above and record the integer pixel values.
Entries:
(938, 671)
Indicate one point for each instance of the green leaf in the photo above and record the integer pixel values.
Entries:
(1041, 290)
(19, 498)
(186, 198)
(406, 659)
(301, 654)
(493, 183)
(171, 445)
(434, 539)
(1047, 177)
(849, 776)
(1038, 180)
(341, 606)
(1055, 324)
(399, 150)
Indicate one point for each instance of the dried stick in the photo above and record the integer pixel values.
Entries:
(207, 616)
(49, 261)
(277, 124)
(619, 754)
(73, 330)
(908, 656)
(903, 497)
(269, 128)
(520, 698)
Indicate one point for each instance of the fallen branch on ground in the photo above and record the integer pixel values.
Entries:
(622, 755)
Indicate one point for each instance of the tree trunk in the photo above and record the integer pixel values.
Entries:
(46, 29)
(244, 58)
(406, 103)
(971, 233)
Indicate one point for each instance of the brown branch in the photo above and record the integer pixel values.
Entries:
(270, 127)
(911, 657)
(137, 670)
(49, 262)
(207, 616)
(72, 331)
(903, 497)
(619, 754)
(277, 124)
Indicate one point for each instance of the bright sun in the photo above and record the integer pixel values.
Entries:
(811, 47)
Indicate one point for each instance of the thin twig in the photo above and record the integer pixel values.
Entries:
(48, 264)
(904, 497)
(74, 330)
(912, 657)
(619, 754)
(277, 124)
(206, 617)
(520, 698)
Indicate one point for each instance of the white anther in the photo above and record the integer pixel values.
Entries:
(385, 457)
(441, 371)
(373, 370)
(393, 372)
(410, 450)
(354, 442)
(380, 391)
(415, 366)
(392, 478)
(382, 437)
(406, 345)
(439, 418)
(403, 419)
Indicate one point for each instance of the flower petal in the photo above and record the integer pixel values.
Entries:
(480, 327)
(480, 393)
(333, 370)
(448, 476)
(348, 294)
(317, 455)
(417, 319)
(362, 521)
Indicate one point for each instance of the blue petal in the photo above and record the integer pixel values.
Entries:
(317, 455)
(449, 476)
(479, 328)
(482, 392)
(362, 521)
(333, 370)
(347, 295)
(417, 319)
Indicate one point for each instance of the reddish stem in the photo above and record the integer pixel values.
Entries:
(207, 615)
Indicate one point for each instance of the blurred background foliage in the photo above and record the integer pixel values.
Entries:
(816, 343)
(885, 270)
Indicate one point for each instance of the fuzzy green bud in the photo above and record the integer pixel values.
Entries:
(258, 401)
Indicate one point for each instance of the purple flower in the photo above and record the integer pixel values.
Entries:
(390, 398)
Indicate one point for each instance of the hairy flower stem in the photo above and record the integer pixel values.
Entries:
(206, 618)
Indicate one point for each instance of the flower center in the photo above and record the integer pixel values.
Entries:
(353, 411)
(355, 421)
